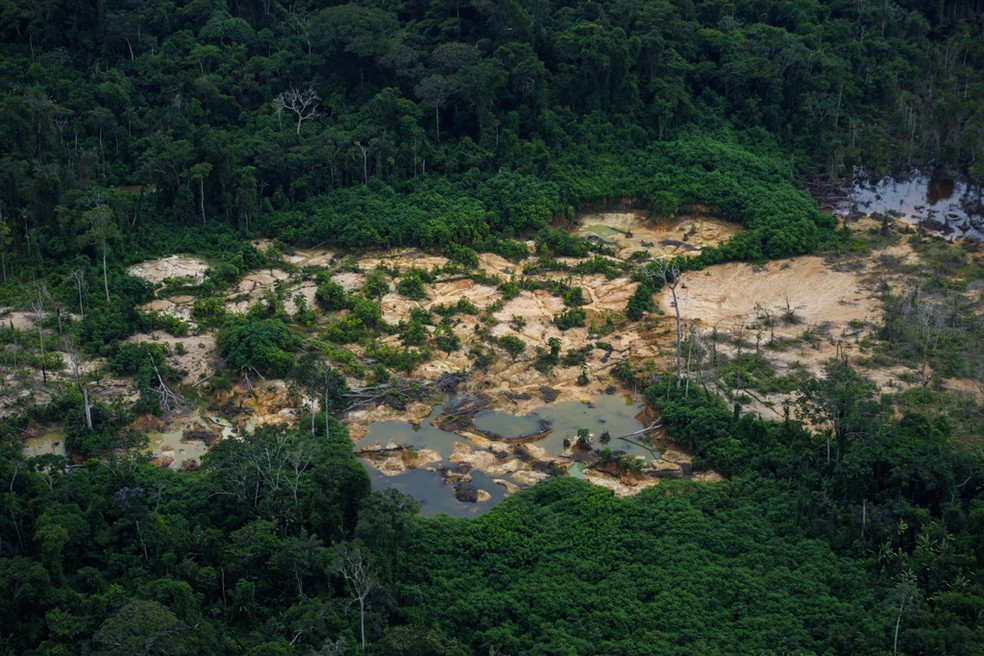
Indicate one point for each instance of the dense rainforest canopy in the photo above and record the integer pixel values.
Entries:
(133, 128)
(244, 114)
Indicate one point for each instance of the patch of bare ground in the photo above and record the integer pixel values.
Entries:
(175, 266)
(393, 459)
(195, 355)
(310, 257)
(972, 388)
(621, 485)
(494, 265)
(798, 293)
(175, 306)
(253, 287)
(628, 232)
(17, 319)
(403, 259)
(359, 421)
(306, 290)
(349, 280)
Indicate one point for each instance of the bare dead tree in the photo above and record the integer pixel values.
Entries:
(364, 150)
(302, 104)
(40, 298)
(78, 275)
(71, 348)
(668, 271)
(354, 566)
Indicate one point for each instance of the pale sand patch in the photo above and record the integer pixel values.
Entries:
(199, 359)
(806, 285)
(634, 231)
(254, 287)
(305, 257)
(175, 266)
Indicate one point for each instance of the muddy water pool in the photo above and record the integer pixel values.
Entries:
(615, 414)
(941, 205)
(52, 442)
(168, 443)
(612, 413)
(435, 495)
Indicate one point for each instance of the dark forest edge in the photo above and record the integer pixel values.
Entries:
(137, 129)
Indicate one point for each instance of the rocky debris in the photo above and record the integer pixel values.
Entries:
(447, 383)
(200, 434)
(466, 493)
(393, 459)
(175, 266)
(510, 486)
(460, 416)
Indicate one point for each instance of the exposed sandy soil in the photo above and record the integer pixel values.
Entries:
(175, 266)
(350, 280)
(358, 421)
(310, 257)
(402, 260)
(17, 319)
(253, 287)
(176, 306)
(806, 286)
(814, 309)
(307, 290)
(495, 265)
(636, 232)
(782, 300)
(200, 357)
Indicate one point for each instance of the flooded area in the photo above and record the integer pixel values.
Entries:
(435, 495)
(50, 443)
(181, 443)
(493, 452)
(938, 204)
(177, 444)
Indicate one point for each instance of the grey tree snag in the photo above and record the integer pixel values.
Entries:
(78, 275)
(354, 566)
(38, 302)
(71, 348)
(302, 104)
(669, 273)
(102, 229)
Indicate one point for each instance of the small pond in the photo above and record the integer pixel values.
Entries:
(939, 204)
(52, 442)
(605, 233)
(614, 414)
(168, 443)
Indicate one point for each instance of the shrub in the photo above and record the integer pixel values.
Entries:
(411, 285)
(265, 345)
(512, 345)
(572, 318)
(330, 296)
(209, 311)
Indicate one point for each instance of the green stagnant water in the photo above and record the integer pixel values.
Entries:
(607, 234)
